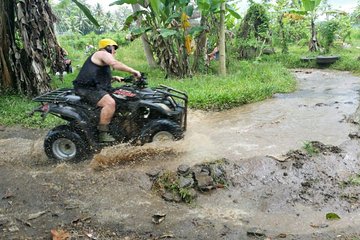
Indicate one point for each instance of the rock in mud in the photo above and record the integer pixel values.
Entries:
(171, 197)
(158, 218)
(154, 173)
(256, 232)
(183, 169)
(3, 220)
(186, 182)
(182, 184)
(204, 181)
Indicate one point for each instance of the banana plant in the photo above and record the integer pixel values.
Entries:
(169, 31)
(309, 7)
(220, 8)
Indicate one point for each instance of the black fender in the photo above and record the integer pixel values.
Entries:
(160, 107)
(65, 111)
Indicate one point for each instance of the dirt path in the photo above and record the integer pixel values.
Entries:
(275, 191)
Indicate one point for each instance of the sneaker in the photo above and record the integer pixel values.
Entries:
(106, 137)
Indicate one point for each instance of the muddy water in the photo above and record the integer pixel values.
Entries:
(318, 110)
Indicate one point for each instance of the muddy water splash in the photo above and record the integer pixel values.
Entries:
(124, 153)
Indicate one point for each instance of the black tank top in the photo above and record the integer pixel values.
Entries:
(92, 76)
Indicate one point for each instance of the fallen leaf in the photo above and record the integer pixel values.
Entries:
(36, 215)
(8, 194)
(332, 216)
(59, 234)
(323, 225)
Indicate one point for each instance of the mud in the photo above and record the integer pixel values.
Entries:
(277, 189)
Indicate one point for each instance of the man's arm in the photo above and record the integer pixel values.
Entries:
(104, 58)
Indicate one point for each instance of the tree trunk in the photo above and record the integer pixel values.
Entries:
(7, 76)
(200, 51)
(145, 41)
(284, 45)
(222, 57)
(313, 44)
(147, 49)
(27, 41)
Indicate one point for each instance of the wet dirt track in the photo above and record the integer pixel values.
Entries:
(271, 195)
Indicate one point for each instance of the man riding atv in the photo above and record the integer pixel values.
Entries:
(94, 83)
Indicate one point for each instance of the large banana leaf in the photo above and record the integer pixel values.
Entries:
(310, 5)
(87, 12)
(232, 11)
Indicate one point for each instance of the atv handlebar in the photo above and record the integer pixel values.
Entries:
(138, 82)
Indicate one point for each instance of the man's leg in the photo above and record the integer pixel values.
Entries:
(107, 104)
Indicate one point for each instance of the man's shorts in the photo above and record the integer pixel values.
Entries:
(91, 95)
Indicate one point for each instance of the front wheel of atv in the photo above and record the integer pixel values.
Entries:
(161, 130)
(65, 145)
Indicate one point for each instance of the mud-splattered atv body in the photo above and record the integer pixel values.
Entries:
(142, 115)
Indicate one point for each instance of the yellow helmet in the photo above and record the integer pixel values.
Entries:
(107, 42)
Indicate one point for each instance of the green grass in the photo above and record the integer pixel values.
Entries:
(14, 110)
(310, 148)
(355, 180)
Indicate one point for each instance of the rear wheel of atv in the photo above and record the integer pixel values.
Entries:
(64, 145)
(161, 130)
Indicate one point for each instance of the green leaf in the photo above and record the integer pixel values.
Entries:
(132, 18)
(173, 16)
(128, 21)
(184, 2)
(121, 2)
(203, 5)
(195, 31)
(232, 11)
(157, 6)
(332, 216)
(310, 5)
(87, 13)
(164, 32)
(189, 10)
(141, 30)
(297, 11)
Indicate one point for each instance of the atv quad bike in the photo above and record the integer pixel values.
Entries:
(142, 115)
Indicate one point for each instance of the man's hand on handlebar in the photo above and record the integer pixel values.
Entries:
(117, 79)
(136, 74)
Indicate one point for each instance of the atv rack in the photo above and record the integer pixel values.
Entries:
(56, 96)
(175, 94)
